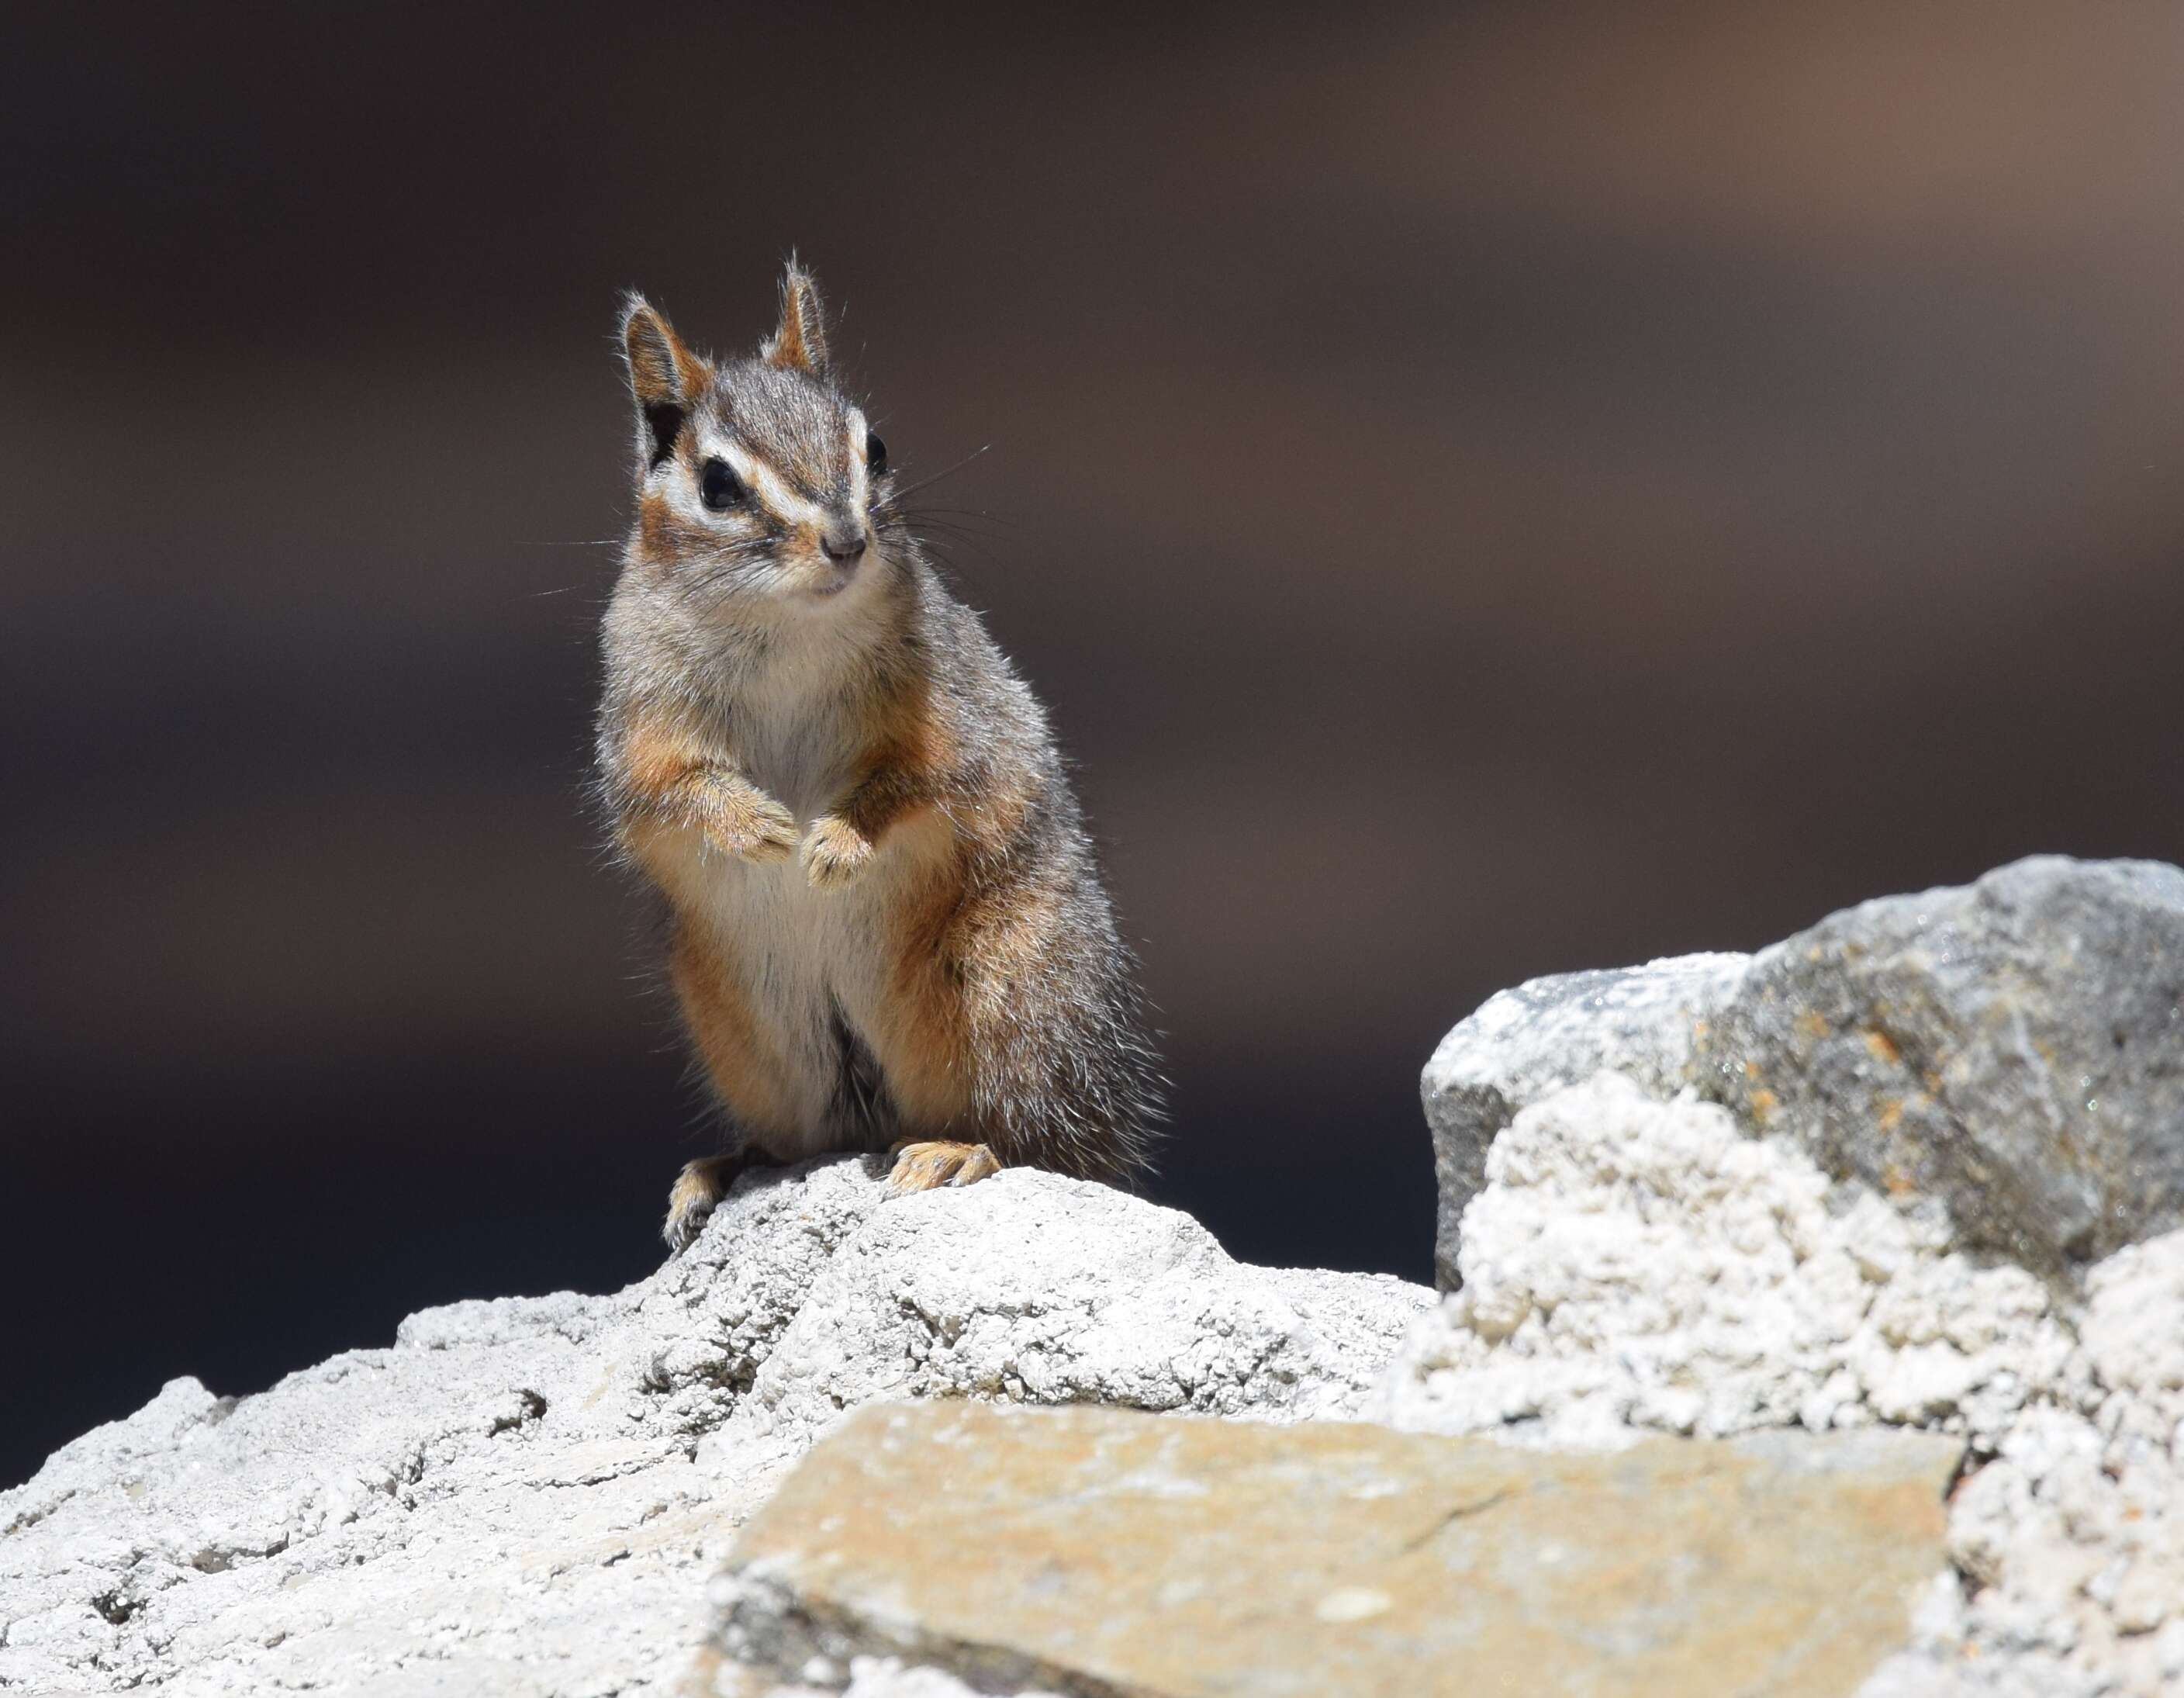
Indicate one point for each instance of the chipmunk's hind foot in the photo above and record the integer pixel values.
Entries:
(929, 1166)
(698, 1188)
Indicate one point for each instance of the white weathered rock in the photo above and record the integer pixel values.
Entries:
(1525, 1044)
(1637, 1265)
(2073, 1537)
(1059, 1292)
(525, 1495)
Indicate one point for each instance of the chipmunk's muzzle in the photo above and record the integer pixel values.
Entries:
(843, 544)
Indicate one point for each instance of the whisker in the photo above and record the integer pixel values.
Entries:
(933, 546)
(958, 531)
(927, 482)
(916, 513)
(986, 542)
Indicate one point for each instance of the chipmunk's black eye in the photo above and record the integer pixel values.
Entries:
(719, 487)
(875, 453)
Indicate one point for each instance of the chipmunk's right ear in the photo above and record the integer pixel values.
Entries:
(799, 342)
(665, 377)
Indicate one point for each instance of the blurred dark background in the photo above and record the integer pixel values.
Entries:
(1485, 491)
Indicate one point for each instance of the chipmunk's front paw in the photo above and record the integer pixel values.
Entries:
(754, 828)
(835, 853)
(929, 1166)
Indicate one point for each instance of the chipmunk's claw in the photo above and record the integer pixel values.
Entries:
(698, 1189)
(690, 1203)
(940, 1162)
(835, 853)
(761, 831)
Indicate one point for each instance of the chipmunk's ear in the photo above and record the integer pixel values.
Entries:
(665, 377)
(800, 339)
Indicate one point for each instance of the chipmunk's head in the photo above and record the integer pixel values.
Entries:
(756, 477)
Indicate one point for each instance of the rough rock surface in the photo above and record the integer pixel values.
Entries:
(1525, 1044)
(1939, 1189)
(1098, 1551)
(1637, 1266)
(2015, 1048)
(525, 1495)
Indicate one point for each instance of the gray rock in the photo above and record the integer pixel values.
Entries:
(524, 1496)
(1636, 1267)
(2014, 1049)
(1525, 1044)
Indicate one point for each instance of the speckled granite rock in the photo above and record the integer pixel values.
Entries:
(2015, 1048)
(1097, 1552)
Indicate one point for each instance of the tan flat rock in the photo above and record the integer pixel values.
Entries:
(1101, 1551)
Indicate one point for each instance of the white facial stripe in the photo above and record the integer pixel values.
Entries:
(858, 471)
(784, 503)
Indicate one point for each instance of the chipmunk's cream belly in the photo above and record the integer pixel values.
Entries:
(806, 964)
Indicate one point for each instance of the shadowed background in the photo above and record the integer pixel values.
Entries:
(1484, 492)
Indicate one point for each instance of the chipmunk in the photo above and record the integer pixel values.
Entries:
(887, 930)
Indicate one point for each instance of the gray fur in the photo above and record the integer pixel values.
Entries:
(723, 631)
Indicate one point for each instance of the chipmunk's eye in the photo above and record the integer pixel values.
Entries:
(719, 487)
(875, 453)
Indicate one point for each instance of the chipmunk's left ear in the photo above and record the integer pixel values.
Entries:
(800, 339)
(665, 378)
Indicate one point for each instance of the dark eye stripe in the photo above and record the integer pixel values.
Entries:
(719, 487)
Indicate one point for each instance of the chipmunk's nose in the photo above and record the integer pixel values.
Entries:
(845, 543)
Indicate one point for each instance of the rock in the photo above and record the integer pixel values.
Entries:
(2015, 1048)
(1093, 1551)
(1938, 1191)
(2069, 1546)
(1635, 1267)
(1523, 1044)
(1056, 1291)
(524, 1496)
